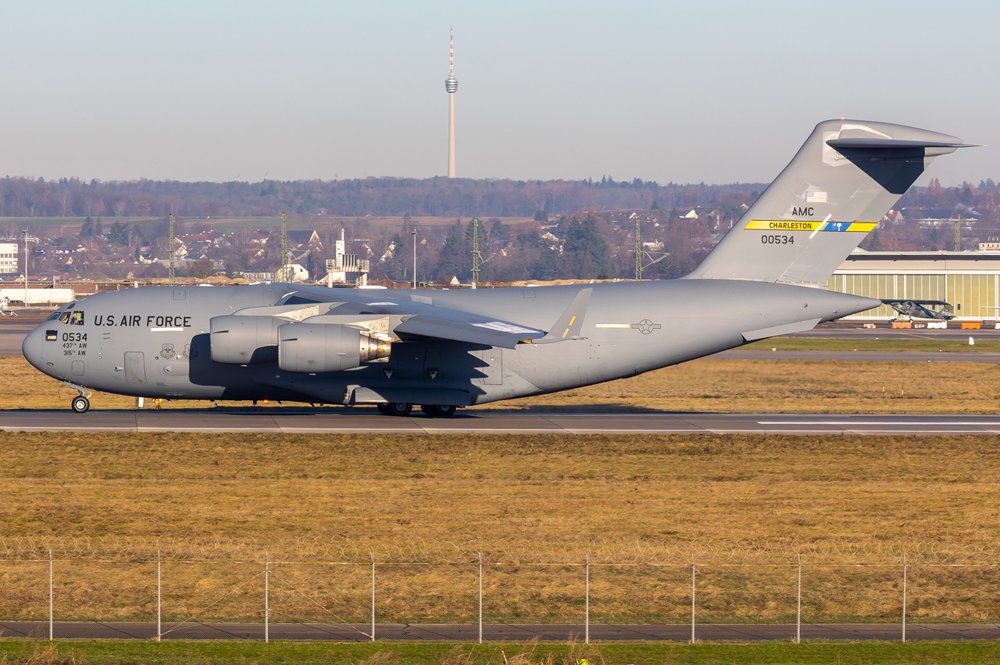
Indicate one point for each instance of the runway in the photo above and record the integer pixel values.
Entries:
(497, 632)
(609, 421)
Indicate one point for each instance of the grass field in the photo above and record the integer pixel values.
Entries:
(535, 506)
(983, 344)
(641, 506)
(241, 653)
(709, 384)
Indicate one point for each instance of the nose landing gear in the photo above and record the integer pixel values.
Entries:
(80, 403)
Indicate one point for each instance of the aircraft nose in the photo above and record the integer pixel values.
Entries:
(32, 348)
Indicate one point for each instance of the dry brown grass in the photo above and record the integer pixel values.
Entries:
(533, 505)
(703, 385)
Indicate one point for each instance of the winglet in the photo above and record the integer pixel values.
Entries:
(569, 324)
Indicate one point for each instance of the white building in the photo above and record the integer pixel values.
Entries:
(970, 281)
(346, 268)
(9, 259)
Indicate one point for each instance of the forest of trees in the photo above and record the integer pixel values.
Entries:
(550, 230)
(26, 197)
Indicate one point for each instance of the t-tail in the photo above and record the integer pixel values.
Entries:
(843, 180)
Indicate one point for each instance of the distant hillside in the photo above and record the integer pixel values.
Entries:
(26, 197)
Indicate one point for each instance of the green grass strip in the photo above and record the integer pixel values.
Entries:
(85, 652)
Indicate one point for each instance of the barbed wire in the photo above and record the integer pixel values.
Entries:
(415, 550)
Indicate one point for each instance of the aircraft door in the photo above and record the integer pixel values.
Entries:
(135, 367)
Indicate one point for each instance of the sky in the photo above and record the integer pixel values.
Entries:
(687, 92)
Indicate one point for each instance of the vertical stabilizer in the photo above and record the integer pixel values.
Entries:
(843, 180)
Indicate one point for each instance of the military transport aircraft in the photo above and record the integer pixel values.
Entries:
(443, 349)
(922, 309)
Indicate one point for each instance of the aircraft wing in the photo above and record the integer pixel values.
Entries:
(474, 329)
(424, 320)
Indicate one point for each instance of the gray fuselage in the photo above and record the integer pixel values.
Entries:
(154, 342)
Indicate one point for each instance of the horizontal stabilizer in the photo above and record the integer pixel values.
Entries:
(784, 329)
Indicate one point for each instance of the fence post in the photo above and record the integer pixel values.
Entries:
(373, 593)
(267, 599)
(905, 566)
(159, 600)
(51, 602)
(693, 591)
(480, 598)
(798, 602)
(586, 600)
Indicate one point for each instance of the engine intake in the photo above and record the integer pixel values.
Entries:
(244, 340)
(327, 347)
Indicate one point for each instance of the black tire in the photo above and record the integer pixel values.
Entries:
(438, 410)
(395, 409)
(80, 404)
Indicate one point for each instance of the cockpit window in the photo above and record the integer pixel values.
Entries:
(64, 317)
(53, 316)
(76, 318)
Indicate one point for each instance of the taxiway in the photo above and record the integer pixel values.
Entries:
(529, 421)
(496, 632)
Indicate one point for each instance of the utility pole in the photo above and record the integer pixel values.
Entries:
(638, 246)
(24, 234)
(641, 255)
(414, 258)
(171, 271)
(283, 270)
(476, 257)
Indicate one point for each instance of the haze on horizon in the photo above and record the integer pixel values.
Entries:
(714, 92)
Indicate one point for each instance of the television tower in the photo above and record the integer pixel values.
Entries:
(451, 86)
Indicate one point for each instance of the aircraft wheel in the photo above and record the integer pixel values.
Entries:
(438, 410)
(80, 404)
(395, 409)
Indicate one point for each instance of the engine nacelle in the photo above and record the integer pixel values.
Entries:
(244, 340)
(327, 347)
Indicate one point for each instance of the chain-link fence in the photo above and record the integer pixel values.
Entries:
(183, 582)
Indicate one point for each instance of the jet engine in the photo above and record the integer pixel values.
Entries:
(328, 347)
(243, 340)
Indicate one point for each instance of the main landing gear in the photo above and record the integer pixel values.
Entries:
(404, 409)
(438, 410)
(394, 408)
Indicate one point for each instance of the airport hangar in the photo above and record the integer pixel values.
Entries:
(969, 280)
